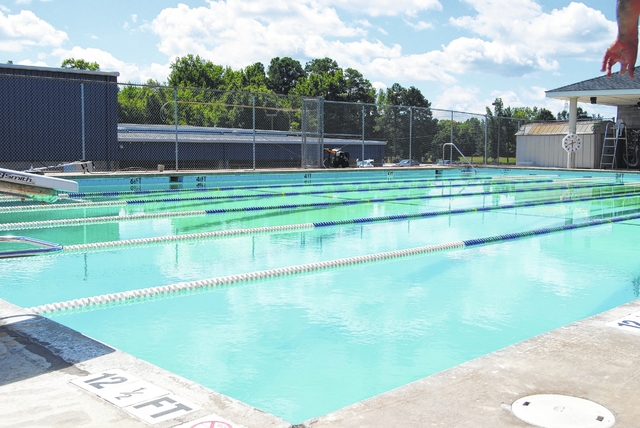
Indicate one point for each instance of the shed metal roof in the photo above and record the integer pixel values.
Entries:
(559, 128)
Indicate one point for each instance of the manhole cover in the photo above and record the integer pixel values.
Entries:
(562, 411)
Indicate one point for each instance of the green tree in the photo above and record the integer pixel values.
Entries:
(149, 104)
(321, 66)
(405, 122)
(357, 88)
(544, 115)
(254, 78)
(80, 64)
(581, 115)
(194, 72)
(283, 74)
(470, 137)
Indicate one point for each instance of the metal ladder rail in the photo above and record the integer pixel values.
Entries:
(610, 144)
(45, 247)
(460, 153)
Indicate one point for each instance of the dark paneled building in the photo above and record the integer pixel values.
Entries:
(54, 115)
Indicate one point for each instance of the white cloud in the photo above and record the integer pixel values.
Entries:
(128, 72)
(366, 7)
(237, 34)
(419, 26)
(460, 98)
(33, 63)
(240, 33)
(516, 37)
(385, 7)
(25, 29)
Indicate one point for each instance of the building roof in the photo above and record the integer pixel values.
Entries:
(132, 133)
(36, 71)
(617, 90)
(559, 128)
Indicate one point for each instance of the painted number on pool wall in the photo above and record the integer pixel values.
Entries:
(201, 179)
(307, 178)
(629, 323)
(135, 396)
(162, 409)
(136, 180)
(106, 379)
(389, 175)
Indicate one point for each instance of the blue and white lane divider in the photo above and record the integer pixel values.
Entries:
(302, 227)
(127, 243)
(127, 297)
(146, 216)
(237, 197)
(464, 180)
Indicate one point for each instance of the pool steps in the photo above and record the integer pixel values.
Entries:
(125, 297)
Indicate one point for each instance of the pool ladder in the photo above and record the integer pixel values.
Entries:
(43, 247)
(613, 134)
(460, 153)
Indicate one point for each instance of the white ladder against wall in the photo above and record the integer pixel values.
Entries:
(613, 134)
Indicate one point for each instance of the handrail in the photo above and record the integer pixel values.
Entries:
(458, 150)
(47, 247)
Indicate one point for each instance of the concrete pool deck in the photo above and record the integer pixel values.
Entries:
(52, 376)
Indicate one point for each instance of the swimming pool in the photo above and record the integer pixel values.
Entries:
(300, 293)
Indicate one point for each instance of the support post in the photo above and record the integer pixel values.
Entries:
(573, 121)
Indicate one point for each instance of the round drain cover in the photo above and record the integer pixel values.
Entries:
(562, 411)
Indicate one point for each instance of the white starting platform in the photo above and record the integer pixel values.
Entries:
(34, 186)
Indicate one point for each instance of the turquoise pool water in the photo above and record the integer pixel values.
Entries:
(303, 344)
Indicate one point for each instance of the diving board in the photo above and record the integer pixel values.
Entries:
(34, 186)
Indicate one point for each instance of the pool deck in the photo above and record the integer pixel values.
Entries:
(594, 359)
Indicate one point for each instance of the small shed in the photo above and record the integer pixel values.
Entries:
(539, 144)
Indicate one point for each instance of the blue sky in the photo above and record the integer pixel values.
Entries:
(462, 54)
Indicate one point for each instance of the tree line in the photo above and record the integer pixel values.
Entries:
(210, 94)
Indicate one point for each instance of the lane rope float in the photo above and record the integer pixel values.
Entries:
(143, 294)
(145, 216)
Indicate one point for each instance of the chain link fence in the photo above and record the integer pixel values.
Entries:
(54, 122)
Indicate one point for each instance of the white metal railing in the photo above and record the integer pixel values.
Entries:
(459, 152)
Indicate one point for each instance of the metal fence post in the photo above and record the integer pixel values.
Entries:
(498, 145)
(303, 141)
(253, 103)
(486, 137)
(84, 155)
(451, 137)
(410, 134)
(175, 118)
(321, 123)
(362, 159)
